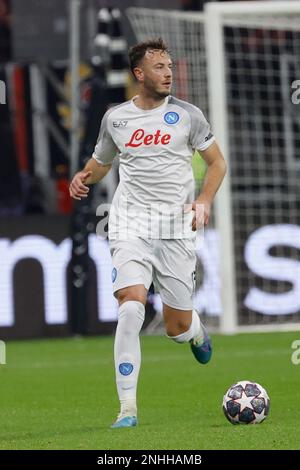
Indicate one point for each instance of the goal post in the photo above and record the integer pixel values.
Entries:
(216, 90)
(265, 8)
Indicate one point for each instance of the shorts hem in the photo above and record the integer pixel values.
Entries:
(128, 284)
(177, 307)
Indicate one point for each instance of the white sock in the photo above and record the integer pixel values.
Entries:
(198, 333)
(128, 407)
(194, 333)
(127, 353)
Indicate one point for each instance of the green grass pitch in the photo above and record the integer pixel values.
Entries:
(60, 394)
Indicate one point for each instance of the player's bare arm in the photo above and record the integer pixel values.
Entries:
(92, 173)
(216, 170)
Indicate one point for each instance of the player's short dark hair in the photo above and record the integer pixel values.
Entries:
(137, 52)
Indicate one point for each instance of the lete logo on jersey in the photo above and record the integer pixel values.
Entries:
(139, 138)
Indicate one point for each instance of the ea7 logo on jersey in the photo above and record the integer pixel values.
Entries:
(120, 123)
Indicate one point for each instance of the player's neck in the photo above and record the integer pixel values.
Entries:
(144, 101)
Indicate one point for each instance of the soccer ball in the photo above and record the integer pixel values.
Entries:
(246, 402)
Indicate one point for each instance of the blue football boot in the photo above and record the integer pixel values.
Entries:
(125, 422)
(202, 351)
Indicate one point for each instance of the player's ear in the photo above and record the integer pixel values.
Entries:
(139, 74)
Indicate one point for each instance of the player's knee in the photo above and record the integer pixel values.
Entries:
(130, 297)
(175, 328)
(125, 295)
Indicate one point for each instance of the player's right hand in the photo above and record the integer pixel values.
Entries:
(77, 188)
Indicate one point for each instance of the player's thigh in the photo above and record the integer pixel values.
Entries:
(174, 273)
(132, 269)
(176, 321)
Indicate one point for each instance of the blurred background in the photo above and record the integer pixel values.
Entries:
(64, 63)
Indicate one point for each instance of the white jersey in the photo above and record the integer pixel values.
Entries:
(155, 149)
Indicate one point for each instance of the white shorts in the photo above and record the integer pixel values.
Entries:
(169, 264)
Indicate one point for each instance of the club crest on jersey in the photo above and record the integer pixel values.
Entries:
(171, 117)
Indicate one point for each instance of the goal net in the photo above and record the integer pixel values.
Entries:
(240, 63)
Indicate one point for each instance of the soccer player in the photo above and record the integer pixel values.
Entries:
(154, 217)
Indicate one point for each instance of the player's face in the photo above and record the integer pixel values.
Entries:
(155, 73)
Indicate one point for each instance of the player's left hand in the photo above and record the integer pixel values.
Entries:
(202, 208)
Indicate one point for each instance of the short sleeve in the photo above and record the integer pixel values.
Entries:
(201, 136)
(105, 149)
